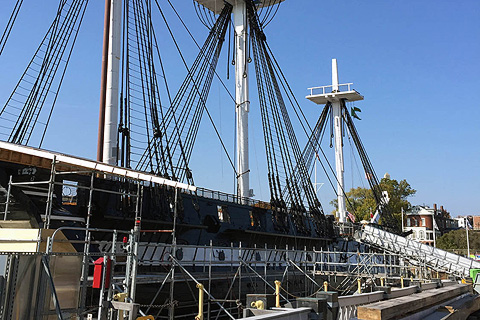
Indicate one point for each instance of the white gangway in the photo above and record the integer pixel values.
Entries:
(432, 257)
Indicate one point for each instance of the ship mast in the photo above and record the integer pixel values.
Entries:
(333, 95)
(108, 120)
(339, 163)
(103, 84)
(242, 102)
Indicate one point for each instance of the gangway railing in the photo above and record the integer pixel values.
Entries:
(432, 257)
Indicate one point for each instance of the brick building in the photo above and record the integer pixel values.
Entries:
(476, 223)
(422, 221)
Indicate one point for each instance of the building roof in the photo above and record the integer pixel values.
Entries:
(420, 210)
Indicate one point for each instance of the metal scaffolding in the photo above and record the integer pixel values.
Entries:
(116, 272)
(226, 273)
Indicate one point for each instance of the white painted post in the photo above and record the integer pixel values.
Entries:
(468, 242)
(113, 79)
(334, 75)
(241, 96)
(338, 121)
(403, 229)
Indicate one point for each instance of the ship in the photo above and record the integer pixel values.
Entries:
(141, 181)
(165, 145)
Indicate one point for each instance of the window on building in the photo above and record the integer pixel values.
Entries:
(423, 222)
(421, 234)
(408, 223)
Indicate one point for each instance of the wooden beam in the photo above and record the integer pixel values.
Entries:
(394, 308)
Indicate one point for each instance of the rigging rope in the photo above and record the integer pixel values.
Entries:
(11, 22)
(28, 98)
(198, 46)
(166, 145)
(285, 161)
(193, 87)
(385, 212)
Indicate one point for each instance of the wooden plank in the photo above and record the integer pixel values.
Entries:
(429, 286)
(456, 310)
(363, 298)
(24, 159)
(393, 308)
(18, 151)
(401, 292)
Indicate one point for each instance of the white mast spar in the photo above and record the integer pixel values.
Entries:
(333, 94)
(110, 152)
(339, 163)
(242, 102)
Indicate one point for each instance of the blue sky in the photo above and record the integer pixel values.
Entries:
(416, 63)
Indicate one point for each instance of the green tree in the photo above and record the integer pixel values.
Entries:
(398, 193)
(360, 201)
(457, 239)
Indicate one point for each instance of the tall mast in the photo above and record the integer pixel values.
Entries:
(103, 85)
(110, 152)
(242, 102)
(333, 94)
(339, 165)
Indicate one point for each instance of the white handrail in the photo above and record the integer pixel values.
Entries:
(324, 91)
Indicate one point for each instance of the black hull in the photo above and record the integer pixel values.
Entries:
(203, 218)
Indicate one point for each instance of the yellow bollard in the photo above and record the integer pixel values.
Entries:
(438, 277)
(359, 284)
(200, 302)
(382, 282)
(277, 293)
(401, 280)
(325, 286)
(258, 305)
(121, 297)
(146, 318)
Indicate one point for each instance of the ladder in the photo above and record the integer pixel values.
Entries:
(432, 257)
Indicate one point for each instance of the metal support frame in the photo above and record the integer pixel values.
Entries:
(7, 202)
(11, 271)
(56, 303)
(258, 275)
(258, 264)
(86, 248)
(306, 275)
(51, 184)
(250, 263)
(171, 311)
(196, 281)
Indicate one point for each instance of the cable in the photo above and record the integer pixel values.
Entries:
(56, 41)
(196, 43)
(190, 79)
(8, 28)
